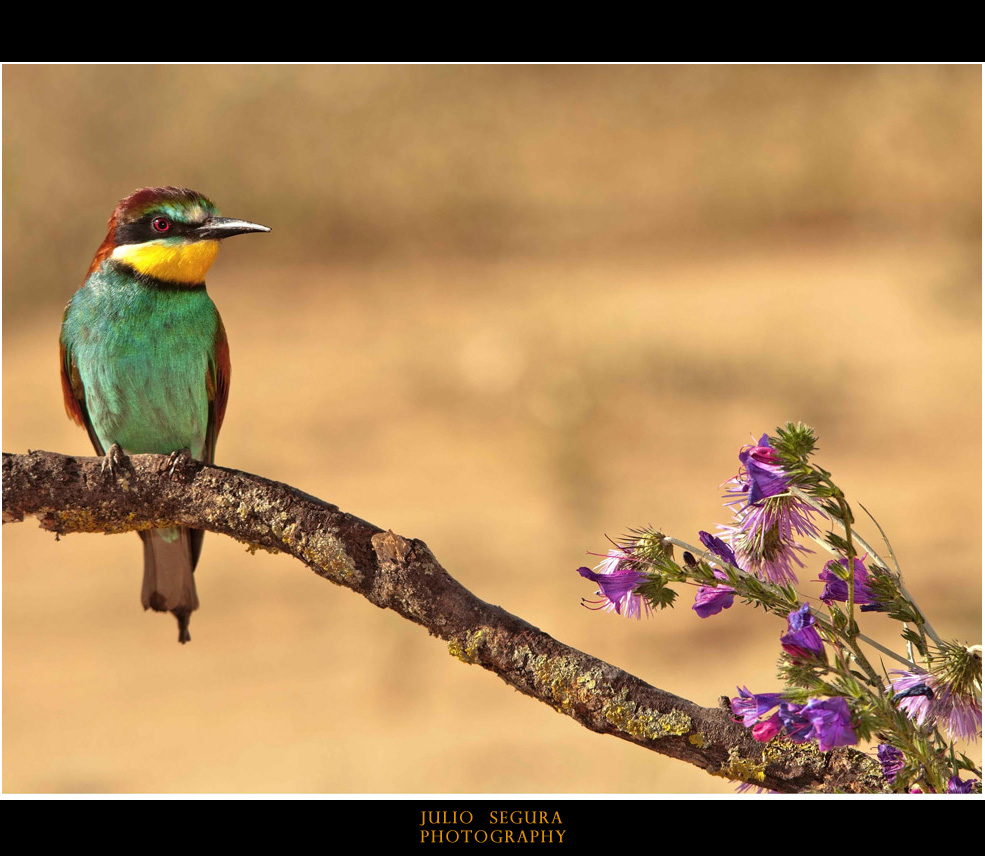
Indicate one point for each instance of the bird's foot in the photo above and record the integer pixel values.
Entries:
(178, 463)
(114, 461)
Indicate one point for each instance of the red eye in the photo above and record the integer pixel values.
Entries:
(161, 224)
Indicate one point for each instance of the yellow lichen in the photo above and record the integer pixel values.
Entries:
(641, 722)
(467, 650)
(803, 754)
(323, 552)
(84, 520)
(742, 769)
(252, 547)
(561, 676)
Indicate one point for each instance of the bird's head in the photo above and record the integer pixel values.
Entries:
(168, 233)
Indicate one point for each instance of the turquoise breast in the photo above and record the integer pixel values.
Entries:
(143, 353)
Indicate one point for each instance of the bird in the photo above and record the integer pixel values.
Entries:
(145, 359)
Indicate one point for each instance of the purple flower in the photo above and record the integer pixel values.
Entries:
(751, 707)
(831, 722)
(828, 721)
(913, 694)
(765, 474)
(768, 517)
(617, 578)
(718, 547)
(892, 761)
(927, 697)
(802, 641)
(710, 600)
(955, 785)
(767, 729)
(836, 588)
(797, 726)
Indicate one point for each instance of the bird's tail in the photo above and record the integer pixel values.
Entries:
(170, 556)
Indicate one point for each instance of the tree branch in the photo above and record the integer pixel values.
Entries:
(70, 494)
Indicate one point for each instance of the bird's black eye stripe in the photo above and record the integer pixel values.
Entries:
(150, 227)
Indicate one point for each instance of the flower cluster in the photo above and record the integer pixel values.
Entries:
(826, 720)
(835, 691)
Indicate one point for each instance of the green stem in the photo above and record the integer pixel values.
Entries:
(863, 661)
(846, 516)
(884, 650)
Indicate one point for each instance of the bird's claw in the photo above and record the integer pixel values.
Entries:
(114, 461)
(178, 461)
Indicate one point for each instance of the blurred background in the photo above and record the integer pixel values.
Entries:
(510, 311)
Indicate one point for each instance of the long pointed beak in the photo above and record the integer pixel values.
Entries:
(216, 228)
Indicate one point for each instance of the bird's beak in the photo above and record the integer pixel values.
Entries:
(216, 228)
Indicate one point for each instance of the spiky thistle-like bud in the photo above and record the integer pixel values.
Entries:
(948, 695)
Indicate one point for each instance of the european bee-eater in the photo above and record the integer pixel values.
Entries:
(145, 360)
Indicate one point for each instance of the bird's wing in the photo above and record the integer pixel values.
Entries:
(75, 397)
(217, 388)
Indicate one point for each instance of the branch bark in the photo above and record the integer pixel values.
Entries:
(72, 494)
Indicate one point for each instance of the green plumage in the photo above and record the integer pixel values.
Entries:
(142, 353)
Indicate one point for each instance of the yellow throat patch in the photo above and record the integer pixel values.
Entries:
(186, 263)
